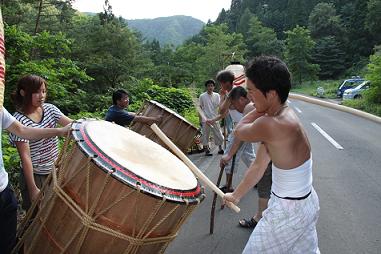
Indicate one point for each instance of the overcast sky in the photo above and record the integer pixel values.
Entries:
(139, 9)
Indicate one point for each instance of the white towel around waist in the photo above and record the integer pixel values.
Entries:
(296, 182)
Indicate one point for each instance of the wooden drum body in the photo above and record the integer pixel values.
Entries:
(114, 191)
(175, 127)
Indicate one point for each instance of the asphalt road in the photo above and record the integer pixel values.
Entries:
(347, 177)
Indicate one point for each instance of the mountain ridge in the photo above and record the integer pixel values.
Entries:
(167, 30)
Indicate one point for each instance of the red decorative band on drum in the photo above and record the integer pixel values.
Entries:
(239, 80)
(189, 194)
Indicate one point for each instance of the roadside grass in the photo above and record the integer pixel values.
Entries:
(310, 88)
(362, 104)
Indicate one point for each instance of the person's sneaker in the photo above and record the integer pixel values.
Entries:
(221, 151)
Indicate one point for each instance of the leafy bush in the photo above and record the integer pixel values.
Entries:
(373, 74)
(192, 116)
(174, 98)
(11, 160)
(85, 114)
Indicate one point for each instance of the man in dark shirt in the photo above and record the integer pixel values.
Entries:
(117, 113)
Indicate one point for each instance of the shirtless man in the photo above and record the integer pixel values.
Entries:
(288, 224)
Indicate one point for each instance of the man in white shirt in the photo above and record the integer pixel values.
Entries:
(209, 102)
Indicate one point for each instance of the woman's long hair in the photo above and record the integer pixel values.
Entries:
(29, 84)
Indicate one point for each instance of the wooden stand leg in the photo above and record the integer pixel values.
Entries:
(212, 211)
(230, 181)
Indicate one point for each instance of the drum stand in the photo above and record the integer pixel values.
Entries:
(228, 186)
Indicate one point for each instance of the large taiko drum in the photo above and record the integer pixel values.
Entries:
(178, 129)
(114, 191)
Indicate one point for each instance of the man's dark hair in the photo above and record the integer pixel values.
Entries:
(117, 95)
(270, 73)
(225, 76)
(210, 81)
(237, 92)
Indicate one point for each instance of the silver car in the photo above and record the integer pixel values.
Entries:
(356, 93)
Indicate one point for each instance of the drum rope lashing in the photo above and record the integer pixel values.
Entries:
(49, 206)
(185, 215)
(65, 158)
(87, 218)
(89, 222)
(21, 230)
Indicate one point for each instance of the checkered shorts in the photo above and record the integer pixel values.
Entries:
(287, 226)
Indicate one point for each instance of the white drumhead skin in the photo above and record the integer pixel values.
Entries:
(141, 156)
(237, 69)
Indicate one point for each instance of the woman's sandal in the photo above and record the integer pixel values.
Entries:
(248, 223)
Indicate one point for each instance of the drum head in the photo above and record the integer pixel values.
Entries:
(136, 160)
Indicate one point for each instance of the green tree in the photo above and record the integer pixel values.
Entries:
(330, 57)
(244, 23)
(45, 55)
(234, 15)
(217, 52)
(110, 53)
(262, 40)
(359, 42)
(299, 46)
(222, 17)
(373, 19)
(185, 57)
(34, 16)
(19, 12)
(323, 21)
(107, 15)
(298, 12)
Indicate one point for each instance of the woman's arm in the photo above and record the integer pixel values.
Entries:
(27, 167)
(36, 133)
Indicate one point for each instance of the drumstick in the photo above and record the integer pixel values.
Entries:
(190, 164)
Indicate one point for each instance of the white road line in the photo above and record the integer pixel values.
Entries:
(288, 101)
(297, 109)
(328, 137)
